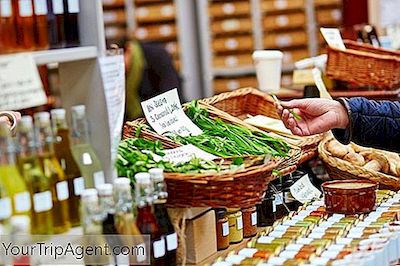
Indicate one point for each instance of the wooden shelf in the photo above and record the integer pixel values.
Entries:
(65, 55)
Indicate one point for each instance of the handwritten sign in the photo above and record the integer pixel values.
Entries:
(20, 84)
(186, 153)
(333, 38)
(165, 114)
(303, 190)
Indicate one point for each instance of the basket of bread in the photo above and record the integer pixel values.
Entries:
(356, 162)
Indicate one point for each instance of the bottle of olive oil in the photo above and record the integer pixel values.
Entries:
(53, 171)
(82, 151)
(5, 206)
(62, 150)
(36, 181)
(10, 177)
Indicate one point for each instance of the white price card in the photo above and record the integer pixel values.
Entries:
(79, 186)
(20, 84)
(22, 202)
(172, 241)
(5, 208)
(165, 114)
(159, 248)
(303, 190)
(333, 38)
(186, 153)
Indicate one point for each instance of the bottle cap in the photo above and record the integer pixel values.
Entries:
(79, 109)
(58, 113)
(89, 194)
(44, 116)
(142, 178)
(122, 182)
(105, 189)
(156, 173)
(20, 223)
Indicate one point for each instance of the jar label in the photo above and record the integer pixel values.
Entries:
(5, 208)
(225, 229)
(40, 10)
(62, 190)
(159, 248)
(25, 8)
(239, 223)
(87, 159)
(73, 6)
(58, 7)
(22, 202)
(5, 8)
(42, 201)
(254, 218)
(141, 256)
(79, 186)
(98, 178)
(172, 242)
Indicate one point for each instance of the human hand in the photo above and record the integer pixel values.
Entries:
(317, 115)
(11, 118)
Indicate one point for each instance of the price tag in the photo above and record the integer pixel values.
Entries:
(333, 38)
(159, 248)
(303, 190)
(186, 153)
(42, 202)
(239, 223)
(62, 190)
(20, 84)
(172, 242)
(79, 186)
(225, 229)
(5, 208)
(22, 202)
(165, 114)
(98, 178)
(87, 159)
(40, 7)
(254, 218)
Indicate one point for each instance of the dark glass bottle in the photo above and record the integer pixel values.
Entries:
(71, 26)
(161, 213)
(146, 221)
(8, 37)
(25, 24)
(40, 19)
(55, 20)
(266, 210)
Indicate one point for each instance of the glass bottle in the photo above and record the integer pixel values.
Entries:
(146, 221)
(41, 32)
(71, 12)
(37, 183)
(5, 205)
(82, 150)
(53, 171)
(20, 227)
(62, 150)
(55, 20)
(161, 213)
(107, 207)
(8, 37)
(12, 180)
(25, 24)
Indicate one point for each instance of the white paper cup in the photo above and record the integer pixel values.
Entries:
(268, 64)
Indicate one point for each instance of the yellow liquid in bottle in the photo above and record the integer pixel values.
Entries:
(59, 190)
(16, 189)
(39, 187)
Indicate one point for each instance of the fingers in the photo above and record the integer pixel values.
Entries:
(17, 115)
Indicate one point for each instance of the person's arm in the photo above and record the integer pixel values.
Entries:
(371, 123)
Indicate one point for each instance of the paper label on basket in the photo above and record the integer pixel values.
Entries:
(186, 153)
(165, 114)
(303, 190)
(333, 38)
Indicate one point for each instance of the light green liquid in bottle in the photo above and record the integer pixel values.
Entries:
(5, 206)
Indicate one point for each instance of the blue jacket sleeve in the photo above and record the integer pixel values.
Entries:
(372, 123)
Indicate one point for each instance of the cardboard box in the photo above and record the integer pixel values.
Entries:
(240, 25)
(229, 84)
(241, 43)
(162, 32)
(231, 8)
(321, 3)
(155, 13)
(282, 6)
(114, 17)
(284, 40)
(232, 61)
(331, 17)
(284, 22)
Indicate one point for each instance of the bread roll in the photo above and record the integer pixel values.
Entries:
(354, 158)
(337, 149)
(373, 165)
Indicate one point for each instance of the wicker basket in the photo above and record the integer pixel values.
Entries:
(249, 101)
(341, 169)
(364, 65)
(236, 189)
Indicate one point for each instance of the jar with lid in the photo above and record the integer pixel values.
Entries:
(249, 222)
(222, 229)
(266, 210)
(235, 226)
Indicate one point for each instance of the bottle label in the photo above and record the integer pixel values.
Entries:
(79, 186)
(25, 8)
(73, 6)
(172, 242)
(239, 223)
(98, 178)
(58, 7)
(159, 248)
(42, 201)
(40, 7)
(5, 208)
(254, 218)
(22, 202)
(225, 229)
(62, 190)
(87, 159)
(5, 8)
